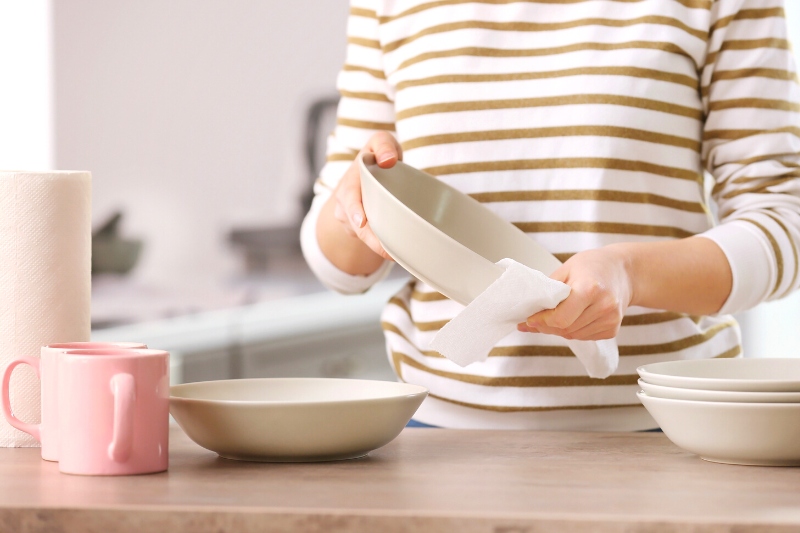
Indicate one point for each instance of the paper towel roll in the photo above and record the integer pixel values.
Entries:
(45, 277)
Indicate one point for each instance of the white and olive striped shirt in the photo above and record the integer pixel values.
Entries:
(584, 123)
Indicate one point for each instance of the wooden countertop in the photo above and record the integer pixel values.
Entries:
(426, 480)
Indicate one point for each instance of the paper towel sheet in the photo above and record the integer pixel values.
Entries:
(45, 277)
(518, 293)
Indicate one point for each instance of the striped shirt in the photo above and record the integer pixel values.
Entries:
(584, 123)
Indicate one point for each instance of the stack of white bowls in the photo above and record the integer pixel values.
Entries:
(738, 411)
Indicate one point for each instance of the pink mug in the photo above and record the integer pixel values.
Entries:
(46, 367)
(113, 412)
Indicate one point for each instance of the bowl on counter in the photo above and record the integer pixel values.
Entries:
(765, 434)
(294, 419)
(428, 227)
(739, 411)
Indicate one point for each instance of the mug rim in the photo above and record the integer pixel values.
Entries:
(95, 345)
(119, 353)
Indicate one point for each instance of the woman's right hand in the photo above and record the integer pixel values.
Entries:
(348, 208)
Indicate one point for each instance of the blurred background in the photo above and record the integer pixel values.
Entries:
(203, 123)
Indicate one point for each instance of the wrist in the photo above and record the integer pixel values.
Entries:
(626, 254)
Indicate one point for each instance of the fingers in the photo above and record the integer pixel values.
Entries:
(341, 215)
(589, 313)
(348, 197)
(563, 316)
(349, 209)
(386, 149)
(368, 237)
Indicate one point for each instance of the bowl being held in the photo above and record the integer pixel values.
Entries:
(743, 375)
(765, 434)
(439, 234)
(294, 419)
(699, 395)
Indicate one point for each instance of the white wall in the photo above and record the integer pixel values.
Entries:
(26, 107)
(771, 329)
(189, 115)
(793, 22)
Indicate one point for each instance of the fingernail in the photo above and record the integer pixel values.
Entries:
(384, 157)
(358, 218)
(532, 324)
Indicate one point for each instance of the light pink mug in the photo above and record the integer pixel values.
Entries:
(113, 412)
(46, 367)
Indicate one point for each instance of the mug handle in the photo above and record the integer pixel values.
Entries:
(33, 429)
(123, 388)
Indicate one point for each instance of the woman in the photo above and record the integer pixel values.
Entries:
(588, 124)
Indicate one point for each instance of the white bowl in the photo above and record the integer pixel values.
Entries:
(743, 375)
(766, 434)
(440, 235)
(294, 419)
(699, 395)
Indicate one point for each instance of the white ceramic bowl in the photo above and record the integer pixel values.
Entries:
(294, 419)
(699, 395)
(766, 434)
(440, 235)
(743, 375)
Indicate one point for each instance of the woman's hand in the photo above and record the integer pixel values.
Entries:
(343, 232)
(348, 209)
(602, 289)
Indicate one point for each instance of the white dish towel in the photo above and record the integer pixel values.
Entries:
(518, 293)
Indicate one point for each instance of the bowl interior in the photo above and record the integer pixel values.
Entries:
(406, 205)
(294, 390)
(738, 369)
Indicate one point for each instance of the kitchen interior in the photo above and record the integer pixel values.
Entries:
(204, 127)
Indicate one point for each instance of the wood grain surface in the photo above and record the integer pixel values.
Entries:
(426, 480)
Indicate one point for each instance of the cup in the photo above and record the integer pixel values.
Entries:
(46, 367)
(113, 412)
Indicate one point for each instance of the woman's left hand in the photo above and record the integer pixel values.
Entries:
(602, 289)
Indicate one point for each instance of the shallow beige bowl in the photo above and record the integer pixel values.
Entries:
(440, 235)
(294, 419)
(699, 395)
(742, 375)
(766, 434)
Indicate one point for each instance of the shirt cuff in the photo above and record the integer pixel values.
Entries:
(751, 263)
(327, 273)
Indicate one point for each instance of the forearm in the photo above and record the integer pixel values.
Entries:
(688, 275)
(346, 251)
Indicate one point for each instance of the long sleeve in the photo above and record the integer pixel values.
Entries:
(751, 146)
(366, 107)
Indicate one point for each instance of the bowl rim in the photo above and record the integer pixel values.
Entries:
(421, 391)
(724, 405)
(400, 165)
(723, 392)
(688, 382)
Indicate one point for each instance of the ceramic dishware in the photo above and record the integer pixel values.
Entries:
(113, 411)
(742, 375)
(428, 226)
(294, 419)
(766, 434)
(46, 367)
(678, 393)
